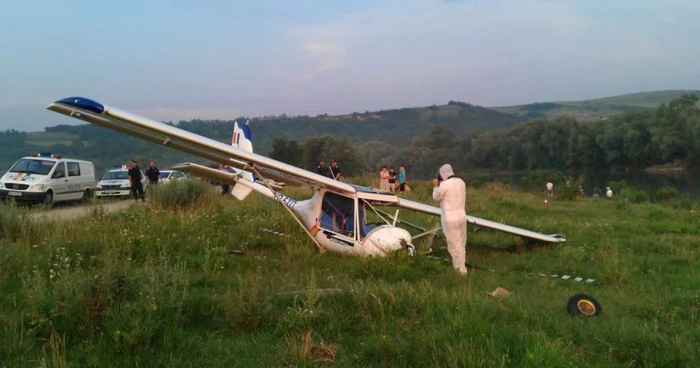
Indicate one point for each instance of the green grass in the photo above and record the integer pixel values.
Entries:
(595, 109)
(49, 139)
(158, 287)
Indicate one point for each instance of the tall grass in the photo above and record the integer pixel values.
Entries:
(179, 193)
(157, 285)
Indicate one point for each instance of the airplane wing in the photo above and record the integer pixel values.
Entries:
(432, 210)
(168, 135)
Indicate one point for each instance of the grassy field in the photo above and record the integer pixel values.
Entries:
(157, 286)
(595, 109)
(49, 139)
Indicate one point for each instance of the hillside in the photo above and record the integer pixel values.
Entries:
(396, 127)
(595, 109)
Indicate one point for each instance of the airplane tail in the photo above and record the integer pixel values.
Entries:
(243, 139)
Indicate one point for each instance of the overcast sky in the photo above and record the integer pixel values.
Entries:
(183, 59)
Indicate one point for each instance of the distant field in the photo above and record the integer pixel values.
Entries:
(595, 109)
(49, 139)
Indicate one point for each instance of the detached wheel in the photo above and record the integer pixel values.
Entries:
(583, 305)
(48, 199)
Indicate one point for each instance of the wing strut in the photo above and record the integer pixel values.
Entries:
(396, 218)
(267, 184)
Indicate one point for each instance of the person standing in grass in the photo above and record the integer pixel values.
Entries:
(550, 189)
(451, 192)
(152, 173)
(334, 170)
(224, 186)
(402, 179)
(384, 179)
(135, 181)
(392, 180)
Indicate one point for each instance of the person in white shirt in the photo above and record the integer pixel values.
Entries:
(608, 192)
(451, 192)
(550, 189)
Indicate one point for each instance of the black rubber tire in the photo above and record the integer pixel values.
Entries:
(583, 305)
(48, 199)
(86, 196)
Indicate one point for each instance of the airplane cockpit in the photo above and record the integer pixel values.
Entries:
(348, 216)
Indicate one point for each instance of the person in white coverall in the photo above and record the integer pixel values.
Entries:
(451, 192)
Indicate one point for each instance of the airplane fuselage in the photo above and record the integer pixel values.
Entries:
(345, 232)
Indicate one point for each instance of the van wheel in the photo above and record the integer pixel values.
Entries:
(86, 196)
(48, 199)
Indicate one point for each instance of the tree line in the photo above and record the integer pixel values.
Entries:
(668, 135)
(421, 140)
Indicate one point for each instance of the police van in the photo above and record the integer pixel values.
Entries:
(48, 178)
(115, 183)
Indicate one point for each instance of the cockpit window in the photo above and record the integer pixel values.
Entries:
(338, 214)
(369, 218)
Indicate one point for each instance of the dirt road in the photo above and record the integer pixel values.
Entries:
(70, 212)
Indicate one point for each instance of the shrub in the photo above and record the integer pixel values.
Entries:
(570, 191)
(667, 193)
(623, 191)
(178, 193)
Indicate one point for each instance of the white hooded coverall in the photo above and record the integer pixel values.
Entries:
(452, 195)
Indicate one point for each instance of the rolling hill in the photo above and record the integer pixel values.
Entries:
(595, 109)
(396, 127)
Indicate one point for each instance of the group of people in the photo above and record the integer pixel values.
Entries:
(332, 171)
(136, 179)
(392, 181)
(549, 187)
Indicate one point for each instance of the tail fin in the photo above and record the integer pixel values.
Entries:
(243, 139)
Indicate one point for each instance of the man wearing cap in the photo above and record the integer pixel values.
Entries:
(451, 192)
(334, 170)
(135, 181)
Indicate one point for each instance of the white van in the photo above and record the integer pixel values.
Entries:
(115, 183)
(48, 178)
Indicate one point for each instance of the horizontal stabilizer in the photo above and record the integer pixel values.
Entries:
(240, 191)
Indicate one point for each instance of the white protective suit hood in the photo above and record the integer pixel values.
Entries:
(446, 171)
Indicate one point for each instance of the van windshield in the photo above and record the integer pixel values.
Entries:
(116, 175)
(33, 166)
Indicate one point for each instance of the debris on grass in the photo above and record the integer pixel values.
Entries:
(323, 353)
(499, 293)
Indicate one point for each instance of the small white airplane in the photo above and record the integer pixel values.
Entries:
(335, 217)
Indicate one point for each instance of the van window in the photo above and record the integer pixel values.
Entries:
(60, 171)
(33, 166)
(73, 169)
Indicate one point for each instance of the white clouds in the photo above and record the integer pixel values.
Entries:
(318, 57)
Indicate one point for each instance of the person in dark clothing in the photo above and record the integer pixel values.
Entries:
(322, 169)
(392, 180)
(225, 188)
(135, 181)
(334, 170)
(152, 173)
